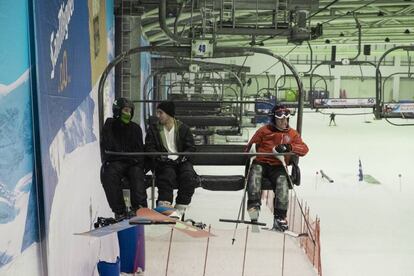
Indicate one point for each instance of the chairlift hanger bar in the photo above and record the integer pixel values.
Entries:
(204, 102)
(192, 153)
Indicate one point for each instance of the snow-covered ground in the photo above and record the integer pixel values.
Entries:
(365, 228)
(257, 254)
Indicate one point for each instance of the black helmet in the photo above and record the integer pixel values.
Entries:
(119, 104)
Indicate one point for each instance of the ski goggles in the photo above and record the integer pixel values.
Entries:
(282, 113)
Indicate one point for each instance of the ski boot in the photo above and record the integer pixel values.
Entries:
(280, 224)
(254, 211)
(165, 207)
(179, 211)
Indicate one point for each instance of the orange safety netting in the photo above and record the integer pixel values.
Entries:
(297, 219)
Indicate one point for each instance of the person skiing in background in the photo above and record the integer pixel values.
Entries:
(171, 135)
(120, 134)
(280, 137)
(332, 119)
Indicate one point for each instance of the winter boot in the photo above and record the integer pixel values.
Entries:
(165, 208)
(254, 212)
(120, 216)
(179, 211)
(133, 211)
(166, 204)
(280, 224)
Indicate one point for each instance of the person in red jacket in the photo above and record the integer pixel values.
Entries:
(280, 137)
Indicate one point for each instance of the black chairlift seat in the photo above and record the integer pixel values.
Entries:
(223, 182)
(209, 120)
(203, 131)
(203, 121)
(197, 108)
(228, 132)
(215, 182)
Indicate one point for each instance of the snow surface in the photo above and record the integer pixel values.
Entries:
(264, 250)
(366, 229)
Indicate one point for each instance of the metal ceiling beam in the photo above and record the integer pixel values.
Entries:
(356, 3)
(183, 65)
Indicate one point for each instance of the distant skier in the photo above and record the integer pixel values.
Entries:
(171, 135)
(332, 119)
(120, 134)
(279, 136)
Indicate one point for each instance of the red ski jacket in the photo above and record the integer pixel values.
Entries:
(267, 137)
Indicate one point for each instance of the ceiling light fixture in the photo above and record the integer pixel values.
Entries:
(387, 39)
(407, 31)
(327, 41)
(380, 13)
(341, 34)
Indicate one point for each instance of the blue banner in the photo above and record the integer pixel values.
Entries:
(18, 206)
(64, 82)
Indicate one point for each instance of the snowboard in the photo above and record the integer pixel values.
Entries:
(181, 226)
(122, 225)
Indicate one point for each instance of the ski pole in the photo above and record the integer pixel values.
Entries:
(281, 158)
(246, 179)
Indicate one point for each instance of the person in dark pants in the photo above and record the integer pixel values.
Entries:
(274, 137)
(173, 136)
(332, 119)
(120, 134)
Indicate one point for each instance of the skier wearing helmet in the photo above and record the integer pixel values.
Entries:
(280, 137)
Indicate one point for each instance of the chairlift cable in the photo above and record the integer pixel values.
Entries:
(238, 72)
(279, 60)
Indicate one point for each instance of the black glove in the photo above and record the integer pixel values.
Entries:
(163, 158)
(181, 159)
(283, 148)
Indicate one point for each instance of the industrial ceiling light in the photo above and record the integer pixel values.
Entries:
(341, 34)
(380, 13)
(407, 31)
(327, 41)
(387, 39)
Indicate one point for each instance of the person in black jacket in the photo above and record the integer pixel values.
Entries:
(120, 134)
(171, 135)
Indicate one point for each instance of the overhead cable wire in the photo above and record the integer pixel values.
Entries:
(279, 60)
(238, 72)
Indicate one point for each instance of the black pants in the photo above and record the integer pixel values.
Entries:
(280, 185)
(169, 175)
(111, 175)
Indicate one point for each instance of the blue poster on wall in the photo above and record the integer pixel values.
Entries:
(18, 211)
(64, 83)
